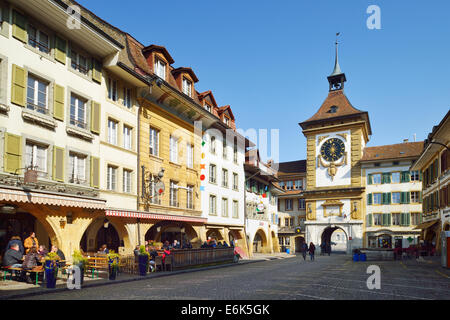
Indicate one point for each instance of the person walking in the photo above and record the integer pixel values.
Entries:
(312, 249)
(328, 246)
(304, 249)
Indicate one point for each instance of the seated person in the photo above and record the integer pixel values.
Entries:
(204, 245)
(176, 244)
(153, 255)
(16, 239)
(60, 254)
(225, 244)
(32, 259)
(42, 251)
(166, 253)
(13, 257)
(219, 245)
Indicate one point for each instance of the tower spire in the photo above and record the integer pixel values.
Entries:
(337, 78)
(337, 67)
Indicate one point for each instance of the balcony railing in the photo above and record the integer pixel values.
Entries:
(35, 107)
(78, 123)
(38, 45)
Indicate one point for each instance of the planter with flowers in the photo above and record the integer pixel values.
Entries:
(51, 269)
(143, 260)
(113, 264)
(81, 262)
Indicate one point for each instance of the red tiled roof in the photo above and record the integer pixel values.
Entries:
(185, 70)
(335, 98)
(393, 151)
(161, 49)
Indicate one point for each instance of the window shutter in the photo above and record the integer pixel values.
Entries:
(383, 219)
(420, 176)
(95, 172)
(408, 219)
(13, 153)
(370, 179)
(95, 117)
(96, 71)
(369, 199)
(18, 86)
(60, 49)
(19, 30)
(408, 197)
(369, 220)
(389, 198)
(58, 164)
(420, 197)
(388, 216)
(402, 197)
(58, 102)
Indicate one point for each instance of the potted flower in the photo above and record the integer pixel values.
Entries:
(143, 260)
(51, 268)
(81, 262)
(113, 264)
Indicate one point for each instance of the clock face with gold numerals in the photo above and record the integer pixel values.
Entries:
(333, 149)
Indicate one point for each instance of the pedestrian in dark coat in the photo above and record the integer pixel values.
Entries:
(304, 249)
(312, 249)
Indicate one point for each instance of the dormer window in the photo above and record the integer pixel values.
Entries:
(208, 107)
(187, 87)
(160, 69)
(226, 121)
(333, 109)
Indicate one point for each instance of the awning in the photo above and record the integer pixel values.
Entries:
(426, 225)
(46, 198)
(153, 216)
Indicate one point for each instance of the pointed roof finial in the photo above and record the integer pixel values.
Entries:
(337, 68)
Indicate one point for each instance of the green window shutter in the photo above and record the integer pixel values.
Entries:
(19, 30)
(383, 198)
(13, 153)
(58, 102)
(420, 176)
(402, 219)
(389, 198)
(18, 86)
(96, 71)
(369, 220)
(95, 117)
(384, 219)
(60, 49)
(58, 164)
(408, 219)
(370, 179)
(402, 197)
(388, 215)
(369, 199)
(408, 197)
(420, 197)
(95, 172)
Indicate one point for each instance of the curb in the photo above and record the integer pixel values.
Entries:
(151, 276)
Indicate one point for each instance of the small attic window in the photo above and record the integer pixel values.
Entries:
(333, 109)
(402, 152)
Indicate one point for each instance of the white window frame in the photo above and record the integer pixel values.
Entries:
(189, 155)
(127, 137)
(33, 158)
(289, 205)
(34, 105)
(395, 174)
(77, 162)
(190, 197)
(376, 195)
(393, 198)
(212, 205)
(212, 145)
(235, 181)
(225, 207)
(76, 60)
(111, 178)
(127, 180)
(160, 68)
(173, 149)
(154, 142)
(235, 209)
(127, 100)
(113, 126)
(396, 219)
(289, 185)
(113, 89)
(212, 173)
(225, 178)
(173, 200)
(378, 176)
(76, 117)
(187, 87)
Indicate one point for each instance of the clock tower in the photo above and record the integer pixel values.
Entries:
(336, 136)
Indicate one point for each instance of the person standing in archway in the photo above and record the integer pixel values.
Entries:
(312, 249)
(31, 242)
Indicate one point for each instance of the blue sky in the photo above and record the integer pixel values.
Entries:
(269, 59)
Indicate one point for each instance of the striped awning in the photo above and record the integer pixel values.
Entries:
(153, 216)
(36, 197)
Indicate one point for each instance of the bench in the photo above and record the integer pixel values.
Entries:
(97, 263)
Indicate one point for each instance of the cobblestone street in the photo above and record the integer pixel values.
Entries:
(334, 277)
